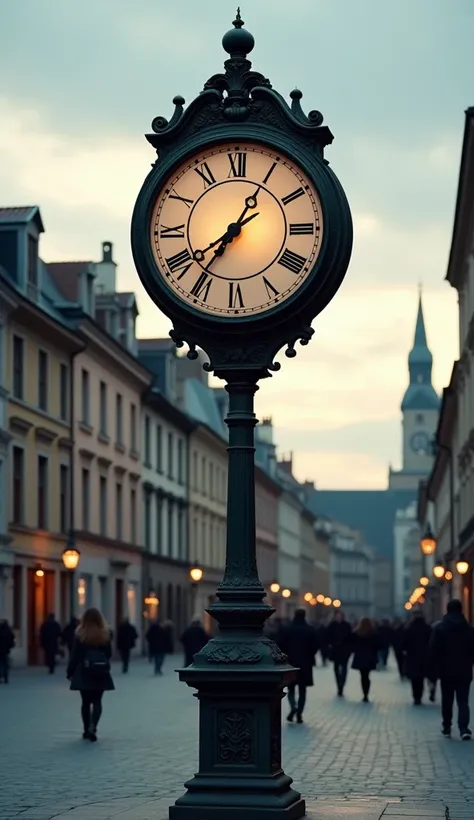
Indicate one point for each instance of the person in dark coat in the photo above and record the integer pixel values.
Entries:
(126, 639)
(69, 634)
(366, 648)
(89, 668)
(159, 644)
(416, 640)
(7, 642)
(450, 658)
(300, 642)
(50, 635)
(384, 634)
(398, 633)
(339, 647)
(193, 639)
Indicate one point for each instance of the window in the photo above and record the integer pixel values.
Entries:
(86, 499)
(118, 511)
(133, 516)
(420, 419)
(181, 540)
(63, 498)
(63, 392)
(159, 525)
(211, 480)
(133, 428)
(18, 484)
(147, 442)
(203, 476)
(103, 409)
(180, 461)
(42, 380)
(86, 398)
(103, 505)
(18, 367)
(42, 492)
(195, 470)
(119, 419)
(170, 455)
(132, 603)
(32, 260)
(147, 504)
(159, 449)
(171, 551)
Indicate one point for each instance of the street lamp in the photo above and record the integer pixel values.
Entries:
(462, 567)
(428, 542)
(71, 556)
(408, 606)
(320, 599)
(196, 573)
(439, 571)
(327, 601)
(308, 597)
(424, 581)
(337, 603)
(448, 575)
(286, 593)
(275, 588)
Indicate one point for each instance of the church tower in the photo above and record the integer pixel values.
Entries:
(420, 408)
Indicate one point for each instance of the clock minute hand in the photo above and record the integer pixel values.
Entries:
(250, 202)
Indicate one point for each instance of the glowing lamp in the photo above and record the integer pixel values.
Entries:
(308, 597)
(275, 587)
(424, 581)
(196, 574)
(39, 573)
(337, 603)
(320, 599)
(438, 571)
(152, 600)
(408, 606)
(327, 601)
(462, 567)
(428, 542)
(448, 575)
(70, 558)
(313, 602)
(286, 593)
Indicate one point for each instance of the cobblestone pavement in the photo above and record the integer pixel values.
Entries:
(349, 759)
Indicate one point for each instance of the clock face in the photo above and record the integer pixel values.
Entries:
(236, 230)
(420, 443)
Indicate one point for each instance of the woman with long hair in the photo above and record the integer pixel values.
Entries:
(89, 668)
(366, 647)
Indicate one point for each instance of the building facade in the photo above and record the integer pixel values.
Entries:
(352, 572)
(267, 493)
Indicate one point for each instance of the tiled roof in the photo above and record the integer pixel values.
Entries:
(65, 276)
(22, 214)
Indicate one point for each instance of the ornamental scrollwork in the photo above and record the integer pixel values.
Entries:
(234, 737)
(275, 651)
(231, 653)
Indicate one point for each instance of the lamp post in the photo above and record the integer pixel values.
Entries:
(71, 556)
(452, 536)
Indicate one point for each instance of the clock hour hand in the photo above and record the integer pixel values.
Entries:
(233, 230)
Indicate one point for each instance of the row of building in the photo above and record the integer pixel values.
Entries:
(446, 498)
(116, 448)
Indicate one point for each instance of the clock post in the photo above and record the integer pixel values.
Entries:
(240, 149)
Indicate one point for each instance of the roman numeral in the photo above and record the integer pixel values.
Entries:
(301, 228)
(238, 164)
(202, 287)
(235, 296)
(291, 197)
(172, 233)
(270, 172)
(271, 289)
(174, 195)
(206, 174)
(292, 261)
(181, 261)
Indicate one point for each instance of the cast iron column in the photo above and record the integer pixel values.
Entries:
(240, 675)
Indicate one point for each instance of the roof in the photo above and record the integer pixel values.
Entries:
(201, 404)
(420, 397)
(464, 210)
(21, 214)
(65, 276)
(372, 512)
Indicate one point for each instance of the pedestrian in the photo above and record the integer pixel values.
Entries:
(193, 639)
(7, 642)
(69, 634)
(158, 644)
(50, 635)
(299, 641)
(416, 640)
(384, 634)
(451, 657)
(398, 632)
(126, 639)
(366, 648)
(89, 669)
(339, 647)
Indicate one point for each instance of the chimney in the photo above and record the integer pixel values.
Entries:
(107, 249)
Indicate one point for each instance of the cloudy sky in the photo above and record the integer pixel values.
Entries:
(80, 82)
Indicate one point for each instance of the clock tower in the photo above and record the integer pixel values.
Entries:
(420, 408)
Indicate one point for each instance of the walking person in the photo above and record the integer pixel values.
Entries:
(69, 634)
(193, 639)
(451, 657)
(398, 632)
(126, 639)
(300, 642)
(339, 647)
(384, 634)
(7, 642)
(158, 645)
(50, 635)
(416, 640)
(89, 669)
(366, 649)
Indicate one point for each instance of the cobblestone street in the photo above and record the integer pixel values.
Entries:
(346, 754)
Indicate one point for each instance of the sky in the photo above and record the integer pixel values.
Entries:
(80, 83)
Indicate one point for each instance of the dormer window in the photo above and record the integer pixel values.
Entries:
(32, 283)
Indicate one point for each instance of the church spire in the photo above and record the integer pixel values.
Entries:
(420, 394)
(420, 333)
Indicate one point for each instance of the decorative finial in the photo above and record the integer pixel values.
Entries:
(238, 22)
(238, 42)
(420, 288)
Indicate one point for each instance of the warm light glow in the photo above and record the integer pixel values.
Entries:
(337, 603)
(308, 597)
(327, 601)
(196, 574)
(286, 593)
(438, 571)
(152, 600)
(313, 602)
(39, 573)
(424, 581)
(408, 606)
(71, 558)
(448, 575)
(81, 592)
(419, 591)
(462, 567)
(275, 587)
(320, 599)
(428, 542)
